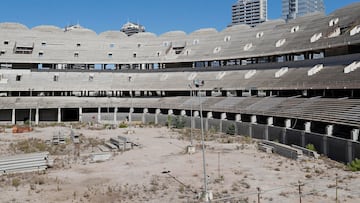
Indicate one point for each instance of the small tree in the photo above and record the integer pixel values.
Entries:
(230, 129)
(354, 165)
(179, 122)
(15, 183)
(310, 147)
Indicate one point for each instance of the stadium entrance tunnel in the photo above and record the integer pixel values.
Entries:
(70, 115)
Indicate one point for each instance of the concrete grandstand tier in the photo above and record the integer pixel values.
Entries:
(83, 46)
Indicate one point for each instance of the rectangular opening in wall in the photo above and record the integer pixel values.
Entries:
(76, 54)
(2, 52)
(91, 77)
(43, 44)
(78, 45)
(41, 53)
(110, 55)
(18, 77)
(56, 77)
(134, 55)
(6, 42)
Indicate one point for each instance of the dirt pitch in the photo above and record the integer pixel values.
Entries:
(235, 169)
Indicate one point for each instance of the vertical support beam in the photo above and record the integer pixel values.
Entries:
(13, 117)
(307, 127)
(283, 136)
(37, 116)
(324, 145)
(349, 151)
(99, 115)
(80, 115)
(355, 135)
(59, 115)
(303, 143)
(115, 114)
(157, 112)
(253, 119)
(238, 118)
(288, 123)
(329, 130)
(270, 121)
(145, 111)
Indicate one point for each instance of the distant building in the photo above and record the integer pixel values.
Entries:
(292, 9)
(132, 28)
(250, 12)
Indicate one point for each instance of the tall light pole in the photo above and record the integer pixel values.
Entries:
(131, 100)
(191, 115)
(198, 84)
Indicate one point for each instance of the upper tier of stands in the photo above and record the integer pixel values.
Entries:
(49, 44)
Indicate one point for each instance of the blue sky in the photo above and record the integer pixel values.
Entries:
(158, 16)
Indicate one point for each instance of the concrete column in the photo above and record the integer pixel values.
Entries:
(196, 114)
(99, 114)
(157, 112)
(209, 115)
(266, 133)
(145, 111)
(349, 151)
(223, 116)
(170, 112)
(355, 135)
(253, 119)
(115, 114)
(59, 115)
(270, 121)
(303, 139)
(324, 145)
(80, 115)
(288, 123)
(37, 116)
(329, 130)
(238, 118)
(131, 111)
(183, 113)
(283, 136)
(307, 127)
(250, 130)
(13, 117)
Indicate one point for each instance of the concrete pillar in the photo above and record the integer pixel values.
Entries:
(80, 115)
(209, 115)
(170, 112)
(183, 113)
(59, 115)
(270, 121)
(37, 116)
(223, 116)
(303, 139)
(99, 114)
(157, 112)
(115, 114)
(266, 133)
(145, 111)
(283, 136)
(349, 151)
(288, 123)
(13, 117)
(238, 118)
(307, 127)
(196, 114)
(355, 135)
(131, 111)
(253, 119)
(329, 130)
(324, 145)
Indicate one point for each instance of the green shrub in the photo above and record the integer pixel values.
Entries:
(310, 147)
(179, 122)
(123, 125)
(354, 165)
(230, 129)
(15, 182)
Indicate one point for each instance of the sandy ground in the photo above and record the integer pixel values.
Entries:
(235, 172)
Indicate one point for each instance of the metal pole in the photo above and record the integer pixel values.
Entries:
(191, 116)
(203, 146)
(30, 109)
(258, 189)
(299, 190)
(336, 188)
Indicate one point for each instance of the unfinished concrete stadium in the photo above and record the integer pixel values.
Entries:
(295, 82)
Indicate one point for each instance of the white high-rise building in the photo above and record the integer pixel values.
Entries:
(250, 12)
(292, 9)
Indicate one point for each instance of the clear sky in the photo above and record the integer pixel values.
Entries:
(158, 16)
